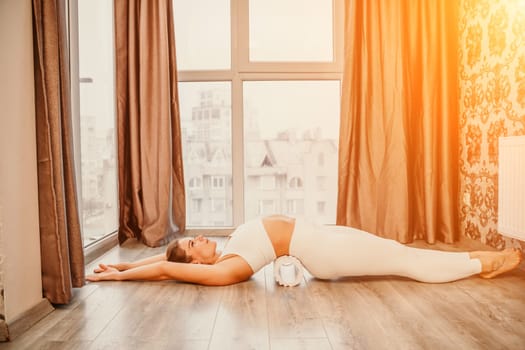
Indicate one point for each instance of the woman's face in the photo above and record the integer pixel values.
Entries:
(201, 249)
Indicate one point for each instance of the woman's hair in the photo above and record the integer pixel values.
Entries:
(175, 253)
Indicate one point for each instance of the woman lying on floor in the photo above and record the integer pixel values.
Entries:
(327, 252)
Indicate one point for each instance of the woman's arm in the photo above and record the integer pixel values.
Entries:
(123, 266)
(229, 271)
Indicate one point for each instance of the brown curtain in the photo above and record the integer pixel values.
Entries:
(151, 182)
(60, 239)
(398, 161)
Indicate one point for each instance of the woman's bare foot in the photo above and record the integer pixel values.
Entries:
(496, 263)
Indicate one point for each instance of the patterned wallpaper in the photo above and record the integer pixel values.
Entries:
(492, 104)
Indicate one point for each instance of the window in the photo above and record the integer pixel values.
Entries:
(217, 205)
(269, 103)
(207, 147)
(291, 117)
(321, 208)
(195, 183)
(196, 205)
(266, 207)
(295, 206)
(279, 32)
(217, 182)
(94, 117)
(203, 32)
(295, 183)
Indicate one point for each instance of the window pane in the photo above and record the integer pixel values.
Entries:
(206, 144)
(97, 119)
(287, 126)
(291, 30)
(202, 34)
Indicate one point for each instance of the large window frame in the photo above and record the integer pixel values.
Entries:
(243, 70)
(109, 239)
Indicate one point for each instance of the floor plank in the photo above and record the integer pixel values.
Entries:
(300, 344)
(289, 311)
(241, 321)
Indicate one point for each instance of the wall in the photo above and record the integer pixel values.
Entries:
(492, 104)
(19, 228)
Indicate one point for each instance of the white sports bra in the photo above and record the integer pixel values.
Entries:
(251, 242)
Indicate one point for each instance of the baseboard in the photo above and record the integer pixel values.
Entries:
(4, 332)
(27, 320)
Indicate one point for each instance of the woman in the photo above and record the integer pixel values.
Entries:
(325, 251)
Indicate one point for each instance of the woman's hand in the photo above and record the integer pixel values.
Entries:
(104, 267)
(104, 273)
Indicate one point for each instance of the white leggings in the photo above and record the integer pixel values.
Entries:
(337, 251)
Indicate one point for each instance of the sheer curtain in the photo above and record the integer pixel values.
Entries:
(398, 161)
(151, 182)
(60, 238)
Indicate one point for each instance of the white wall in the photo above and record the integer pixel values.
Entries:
(20, 243)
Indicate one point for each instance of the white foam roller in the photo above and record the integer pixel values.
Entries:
(288, 271)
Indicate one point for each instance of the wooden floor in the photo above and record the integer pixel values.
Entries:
(353, 313)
